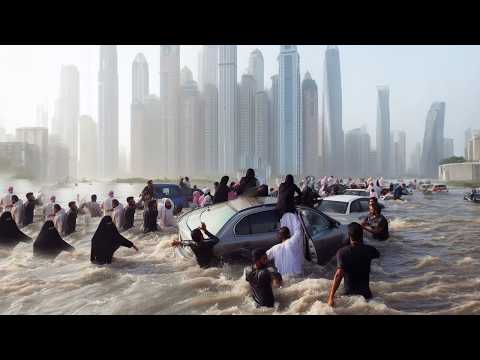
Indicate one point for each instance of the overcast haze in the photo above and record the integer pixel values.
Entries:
(416, 75)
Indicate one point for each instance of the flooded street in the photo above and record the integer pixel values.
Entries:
(430, 265)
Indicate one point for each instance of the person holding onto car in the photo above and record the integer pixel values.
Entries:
(201, 247)
(289, 254)
(376, 223)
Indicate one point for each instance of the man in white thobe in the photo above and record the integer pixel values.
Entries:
(118, 215)
(60, 219)
(107, 204)
(6, 200)
(48, 210)
(17, 210)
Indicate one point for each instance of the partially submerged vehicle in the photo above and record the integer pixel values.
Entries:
(247, 223)
(172, 192)
(435, 189)
(357, 192)
(345, 208)
(472, 196)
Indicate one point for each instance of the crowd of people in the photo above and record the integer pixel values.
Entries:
(269, 266)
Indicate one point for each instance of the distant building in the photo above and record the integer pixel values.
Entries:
(88, 165)
(108, 125)
(210, 116)
(21, 159)
(310, 126)
(140, 79)
(433, 141)
(357, 152)
(467, 171)
(415, 159)
(448, 148)
(383, 143)
(37, 136)
(468, 137)
(256, 68)
(262, 131)
(289, 112)
(208, 67)
(152, 128)
(273, 124)
(58, 160)
(246, 122)
(332, 141)
(399, 148)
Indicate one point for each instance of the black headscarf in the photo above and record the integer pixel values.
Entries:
(286, 196)
(106, 241)
(248, 184)
(49, 242)
(221, 193)
(150, 216)
(10, 234)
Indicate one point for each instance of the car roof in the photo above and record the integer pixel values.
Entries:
(166, 184)
(344, 198)
(355, 190)
(245, 202)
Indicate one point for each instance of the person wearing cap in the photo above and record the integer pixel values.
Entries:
(261, 279)
(6, 201)
(201, 247)
(107, 205)
(353, 265)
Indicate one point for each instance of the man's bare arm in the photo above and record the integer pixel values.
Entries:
(336, 283)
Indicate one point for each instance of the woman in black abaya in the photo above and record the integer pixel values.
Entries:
(106, 241)
(49, 243)
(10, 234)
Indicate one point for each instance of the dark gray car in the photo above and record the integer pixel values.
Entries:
(246, 223)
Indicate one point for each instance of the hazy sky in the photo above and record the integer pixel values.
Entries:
(417, 76)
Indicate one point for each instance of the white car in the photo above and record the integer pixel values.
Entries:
(345, 208)
(357, 192)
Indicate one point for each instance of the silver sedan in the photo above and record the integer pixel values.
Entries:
(246, 223)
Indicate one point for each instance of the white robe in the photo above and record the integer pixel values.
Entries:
(289, 254)
(107, 206)
(93, 209)
(17, 212)
(166, 215)
(6, 201)
(60, 221)
(119, 217)
(48, 211)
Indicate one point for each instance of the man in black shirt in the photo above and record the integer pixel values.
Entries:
(202, 248)
(71, 222)
(376, 223)
(28, 209)
(260, 279)
(353, 264)
(130, 213)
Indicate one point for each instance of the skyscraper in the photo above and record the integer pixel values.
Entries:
(261, 131)
(415, 159)
(246, 122)
(289, 111)
(108, 130)
(210, 116)
(67, 114)
(383, 131)
(399, 148)
(310, 126)
(170, 97)
(273, 124)
(468, 137)
(227, 108)
(88, 147)
(357, 152)
(332, 141)
(152, 125)
(256, 68)
(433, 140)
(448, 148)
(208, 66)
(140, 82)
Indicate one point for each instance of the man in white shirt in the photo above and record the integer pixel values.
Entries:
(107, 204)
(60, 219)
(6, 200)
(289, 255)
(118, 214)
(93, 207)
(48, 211)
(17, 210)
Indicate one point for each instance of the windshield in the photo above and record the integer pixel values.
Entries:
(215, 218)
(333, 206)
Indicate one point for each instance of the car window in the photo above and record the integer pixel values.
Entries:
(259, 223)
(333, 206)
(364, 204)
(166, 191)
(314, 222)
(355, 206)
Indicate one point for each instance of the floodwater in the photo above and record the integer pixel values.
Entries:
(430, 265)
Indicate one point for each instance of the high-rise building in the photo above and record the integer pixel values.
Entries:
(87, 167)
(468, 137)
(170, 97)
(21, 159)
(433, 140)
(151, 123)
(332, 141)
(310, 126)
(383, 142)
(108, 128)
(37, 136)
(192, 159)
(227, 108)
(208, 66)
(246, 122)
(473, 146)
(65, 123)
(140, 79)
(261, 131)
(415, 159)
(210, 116)
(357, 152)
(448, 148)
(256, 68)
(399, 153)
(58, 160)
(273, 124)
(289, 111)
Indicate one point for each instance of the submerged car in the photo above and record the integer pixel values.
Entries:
(245, 224)
(472, 196)
(357, 192)
(435, 189)
(345, 208)
(172, 192)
